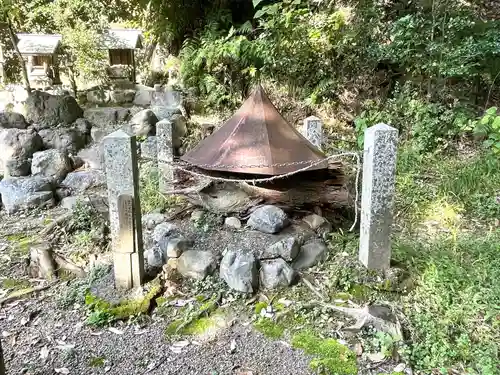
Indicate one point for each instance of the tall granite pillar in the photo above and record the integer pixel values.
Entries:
(165, 152)
(2, 363)
(379, 170)
(122, 172)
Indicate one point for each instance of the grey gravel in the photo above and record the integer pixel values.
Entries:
(134, 350)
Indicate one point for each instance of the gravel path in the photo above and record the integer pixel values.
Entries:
(30, 327)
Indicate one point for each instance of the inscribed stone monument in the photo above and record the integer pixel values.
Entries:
(313, 131)
(379, 169)
(120, 156)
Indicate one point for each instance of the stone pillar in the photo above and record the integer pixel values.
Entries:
(379, 170)
(2, 363)
(165, 152)
(313, 131)
(122, 172)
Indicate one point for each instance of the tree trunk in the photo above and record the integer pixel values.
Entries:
(21, 60)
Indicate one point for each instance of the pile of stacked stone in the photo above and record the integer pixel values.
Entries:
(55, 149)
(243, 269)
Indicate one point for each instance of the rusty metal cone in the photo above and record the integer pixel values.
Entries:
(256, 140)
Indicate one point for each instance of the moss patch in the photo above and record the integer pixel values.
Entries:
(259, 306)
(106, 312)
(330, 357)
(21, 242)
(97, 362)
(206, 320)
(270, 328)
(15, 284)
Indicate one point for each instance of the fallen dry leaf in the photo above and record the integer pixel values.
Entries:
(62, 370)
(232, 347)
(44, 353)
(115, 330)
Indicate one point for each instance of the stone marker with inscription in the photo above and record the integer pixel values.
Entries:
(313, 131)
(379, 171)
(120, 155)
(165, 152)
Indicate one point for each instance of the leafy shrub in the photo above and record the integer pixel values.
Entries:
(428, 124)
(221, 65)
(489, 128)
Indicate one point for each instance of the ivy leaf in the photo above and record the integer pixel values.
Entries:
(260, 13)
(256, 3)
(492, 111)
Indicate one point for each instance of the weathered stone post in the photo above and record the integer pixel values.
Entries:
(379, 170)
(120, 157)
(2, 363)
(165, 152)
(313, 131)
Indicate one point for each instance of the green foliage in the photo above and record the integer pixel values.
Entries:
(454, 309)
(428, 124)
(489, 127)
(471, 184)
(442, 41)
(78, 289)
(330, 357)
(221, 65)
(150, 197)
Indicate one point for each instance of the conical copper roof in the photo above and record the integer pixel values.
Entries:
(253, 141)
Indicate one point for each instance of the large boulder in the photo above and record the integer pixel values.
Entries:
(286, 248)
(143, 97)
(165, 113)
(17, 147)
(51, 163)
(152, 219)
(164, 230)
(106, 116)
(92, 157)
(118, 96)
(84, 126)
(97, 134)
(50, 110)
(179, 129)
(268, 219)
(310, 254)
(14, 120)
(23, 193)
(149, 148)
(197, 264)
(143, 122)
(173, 247)
(69, 140)
(275, 274)
(79, 181)
(98, 96)
(239, 271)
